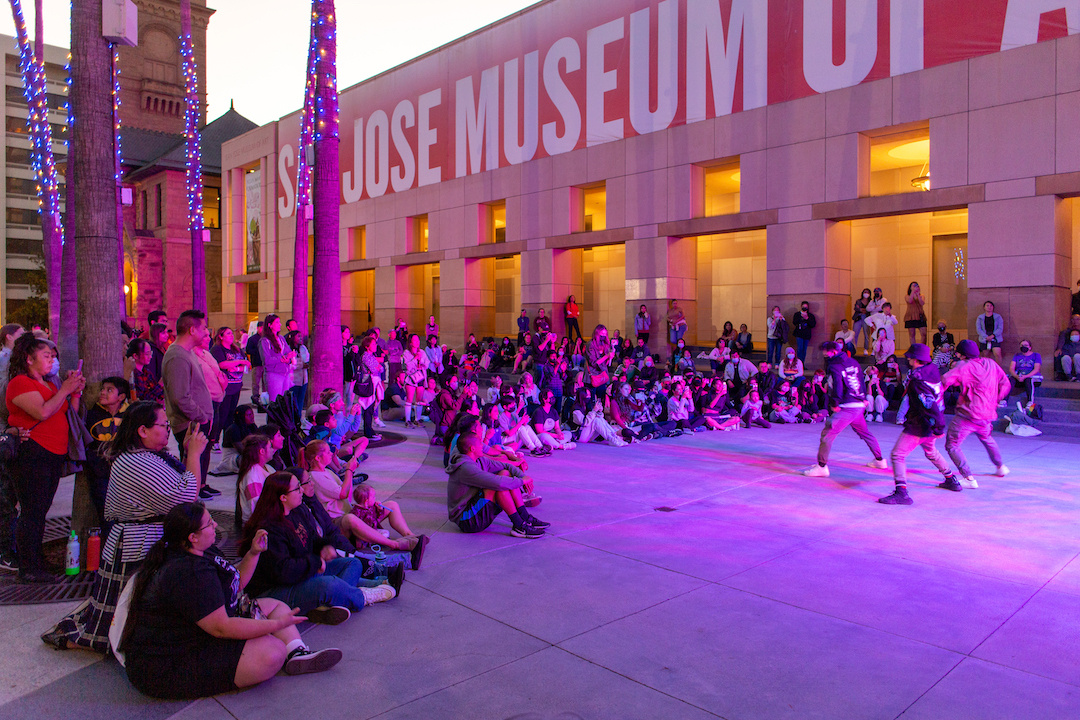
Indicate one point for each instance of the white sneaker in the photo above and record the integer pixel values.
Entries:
(569, 446)
(1002, 471)
(816, 471)
(881, 464)
(879, 418)
(378, 594)
(969, 482)
(377, 422)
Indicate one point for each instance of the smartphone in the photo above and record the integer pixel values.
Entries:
(78, 368)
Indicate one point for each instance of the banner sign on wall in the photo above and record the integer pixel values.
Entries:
(569, 74)
(253, 220)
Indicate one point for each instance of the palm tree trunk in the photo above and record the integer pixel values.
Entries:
(95, 229)
(326, 357)
(303, 192)
(68, 338)
(51, 233)
(118, 168)
(194, 162)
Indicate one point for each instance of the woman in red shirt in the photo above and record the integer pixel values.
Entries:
(571, 315)
(36, 406)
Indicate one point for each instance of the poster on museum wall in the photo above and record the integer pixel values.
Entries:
(253, 220)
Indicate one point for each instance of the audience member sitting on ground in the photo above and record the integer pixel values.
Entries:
(299, 566)
(515, 421)
(790, 369)
(145, 481)
(191, 632)
(480, 487)
(1026, 371)
(752, 407)
(373, 514)
(884, 348)
(737, 373)
(680, 406)
(1070, 352)
(546, 422)
(942, 336)
(785, 406)
(587, 414)
(243, 425)
(322, 428)
(255, 453)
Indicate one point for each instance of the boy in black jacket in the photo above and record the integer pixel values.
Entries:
(925, 423)
(103, 420)
(847, 399)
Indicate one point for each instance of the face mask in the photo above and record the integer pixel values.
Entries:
(790, 355)
(1025, 348)
(648, 363)
(1075, 338)
(682, 344)
(941, 328)
(561, 353)
(866, 296)
(805, 308)
(453, 387)
(55, 368)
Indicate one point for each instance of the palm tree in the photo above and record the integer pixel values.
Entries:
(194, 163)
(95, 231)
(303, 189)
(32, 66)
(326, 358)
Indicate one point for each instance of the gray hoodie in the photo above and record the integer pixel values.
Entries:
(468, 477)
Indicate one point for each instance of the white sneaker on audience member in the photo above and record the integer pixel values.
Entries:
(378, 594)
(1002, 471)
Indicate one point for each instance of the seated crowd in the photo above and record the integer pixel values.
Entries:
(311, 532)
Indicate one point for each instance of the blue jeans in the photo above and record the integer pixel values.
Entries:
(299, 394)
(773, 350)
(336, 586)
(800, 347)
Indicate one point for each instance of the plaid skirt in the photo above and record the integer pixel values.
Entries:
(88, 626)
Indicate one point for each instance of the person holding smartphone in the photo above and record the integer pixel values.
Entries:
(187, 397)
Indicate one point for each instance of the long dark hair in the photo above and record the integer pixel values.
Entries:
(220, 332)
(275, 340)
(142, 414)
(249, 455)
(183, 520)
(268, 509)
(135, 347)
(24, 347)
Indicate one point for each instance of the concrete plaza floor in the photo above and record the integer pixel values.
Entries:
(762, 594)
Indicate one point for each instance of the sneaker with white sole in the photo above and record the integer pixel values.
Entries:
(969, 482)
(378, 594)
(302, 661)
(527, 531)
(952, 484)
(569, 445)
(899, 496)
(816, 471)
(881, 464)
(1002, 471)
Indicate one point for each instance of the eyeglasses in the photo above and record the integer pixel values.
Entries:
(305, 483)
(292, 490)
(208, 525)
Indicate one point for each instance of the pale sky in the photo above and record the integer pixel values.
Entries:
(257, 49)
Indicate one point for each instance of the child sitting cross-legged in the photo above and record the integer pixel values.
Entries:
(322, 428)
(371, 513)
(336, 497)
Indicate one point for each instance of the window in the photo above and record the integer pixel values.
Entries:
(590, 212)
(495, 223)
(157, 206)
(21, 216)
(21, 186)
(418, 234)
(900, 161)
(211, 207)
(721, 183)
(141, 217)
(18, 156)
(253, 298)
(358, 243)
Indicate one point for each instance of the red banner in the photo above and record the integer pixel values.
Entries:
(570, 74)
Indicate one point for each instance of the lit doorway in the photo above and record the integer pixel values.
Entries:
(950, 289)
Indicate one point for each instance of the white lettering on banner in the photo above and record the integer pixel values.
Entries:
(708, 50)
(598, 82)
(402, 176)
(377, 165)
(565, 50)
(477, 123)
(523, 149)
(1022, 20)
(642, 118)
(286, 205)
(860, 43)
(426, 136)
(353, 189)
(906, 36)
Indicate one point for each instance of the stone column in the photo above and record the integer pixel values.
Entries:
(1020, 258)
(548, 277)
(466, 300)
(658, 270)
(810, 260)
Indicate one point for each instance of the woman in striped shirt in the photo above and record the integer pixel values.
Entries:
(145, 482)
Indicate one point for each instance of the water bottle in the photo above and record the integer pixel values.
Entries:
(93, 550)
(72, 566)
(378, 565)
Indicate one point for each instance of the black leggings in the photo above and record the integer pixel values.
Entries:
(36, 473)
(571, 328)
